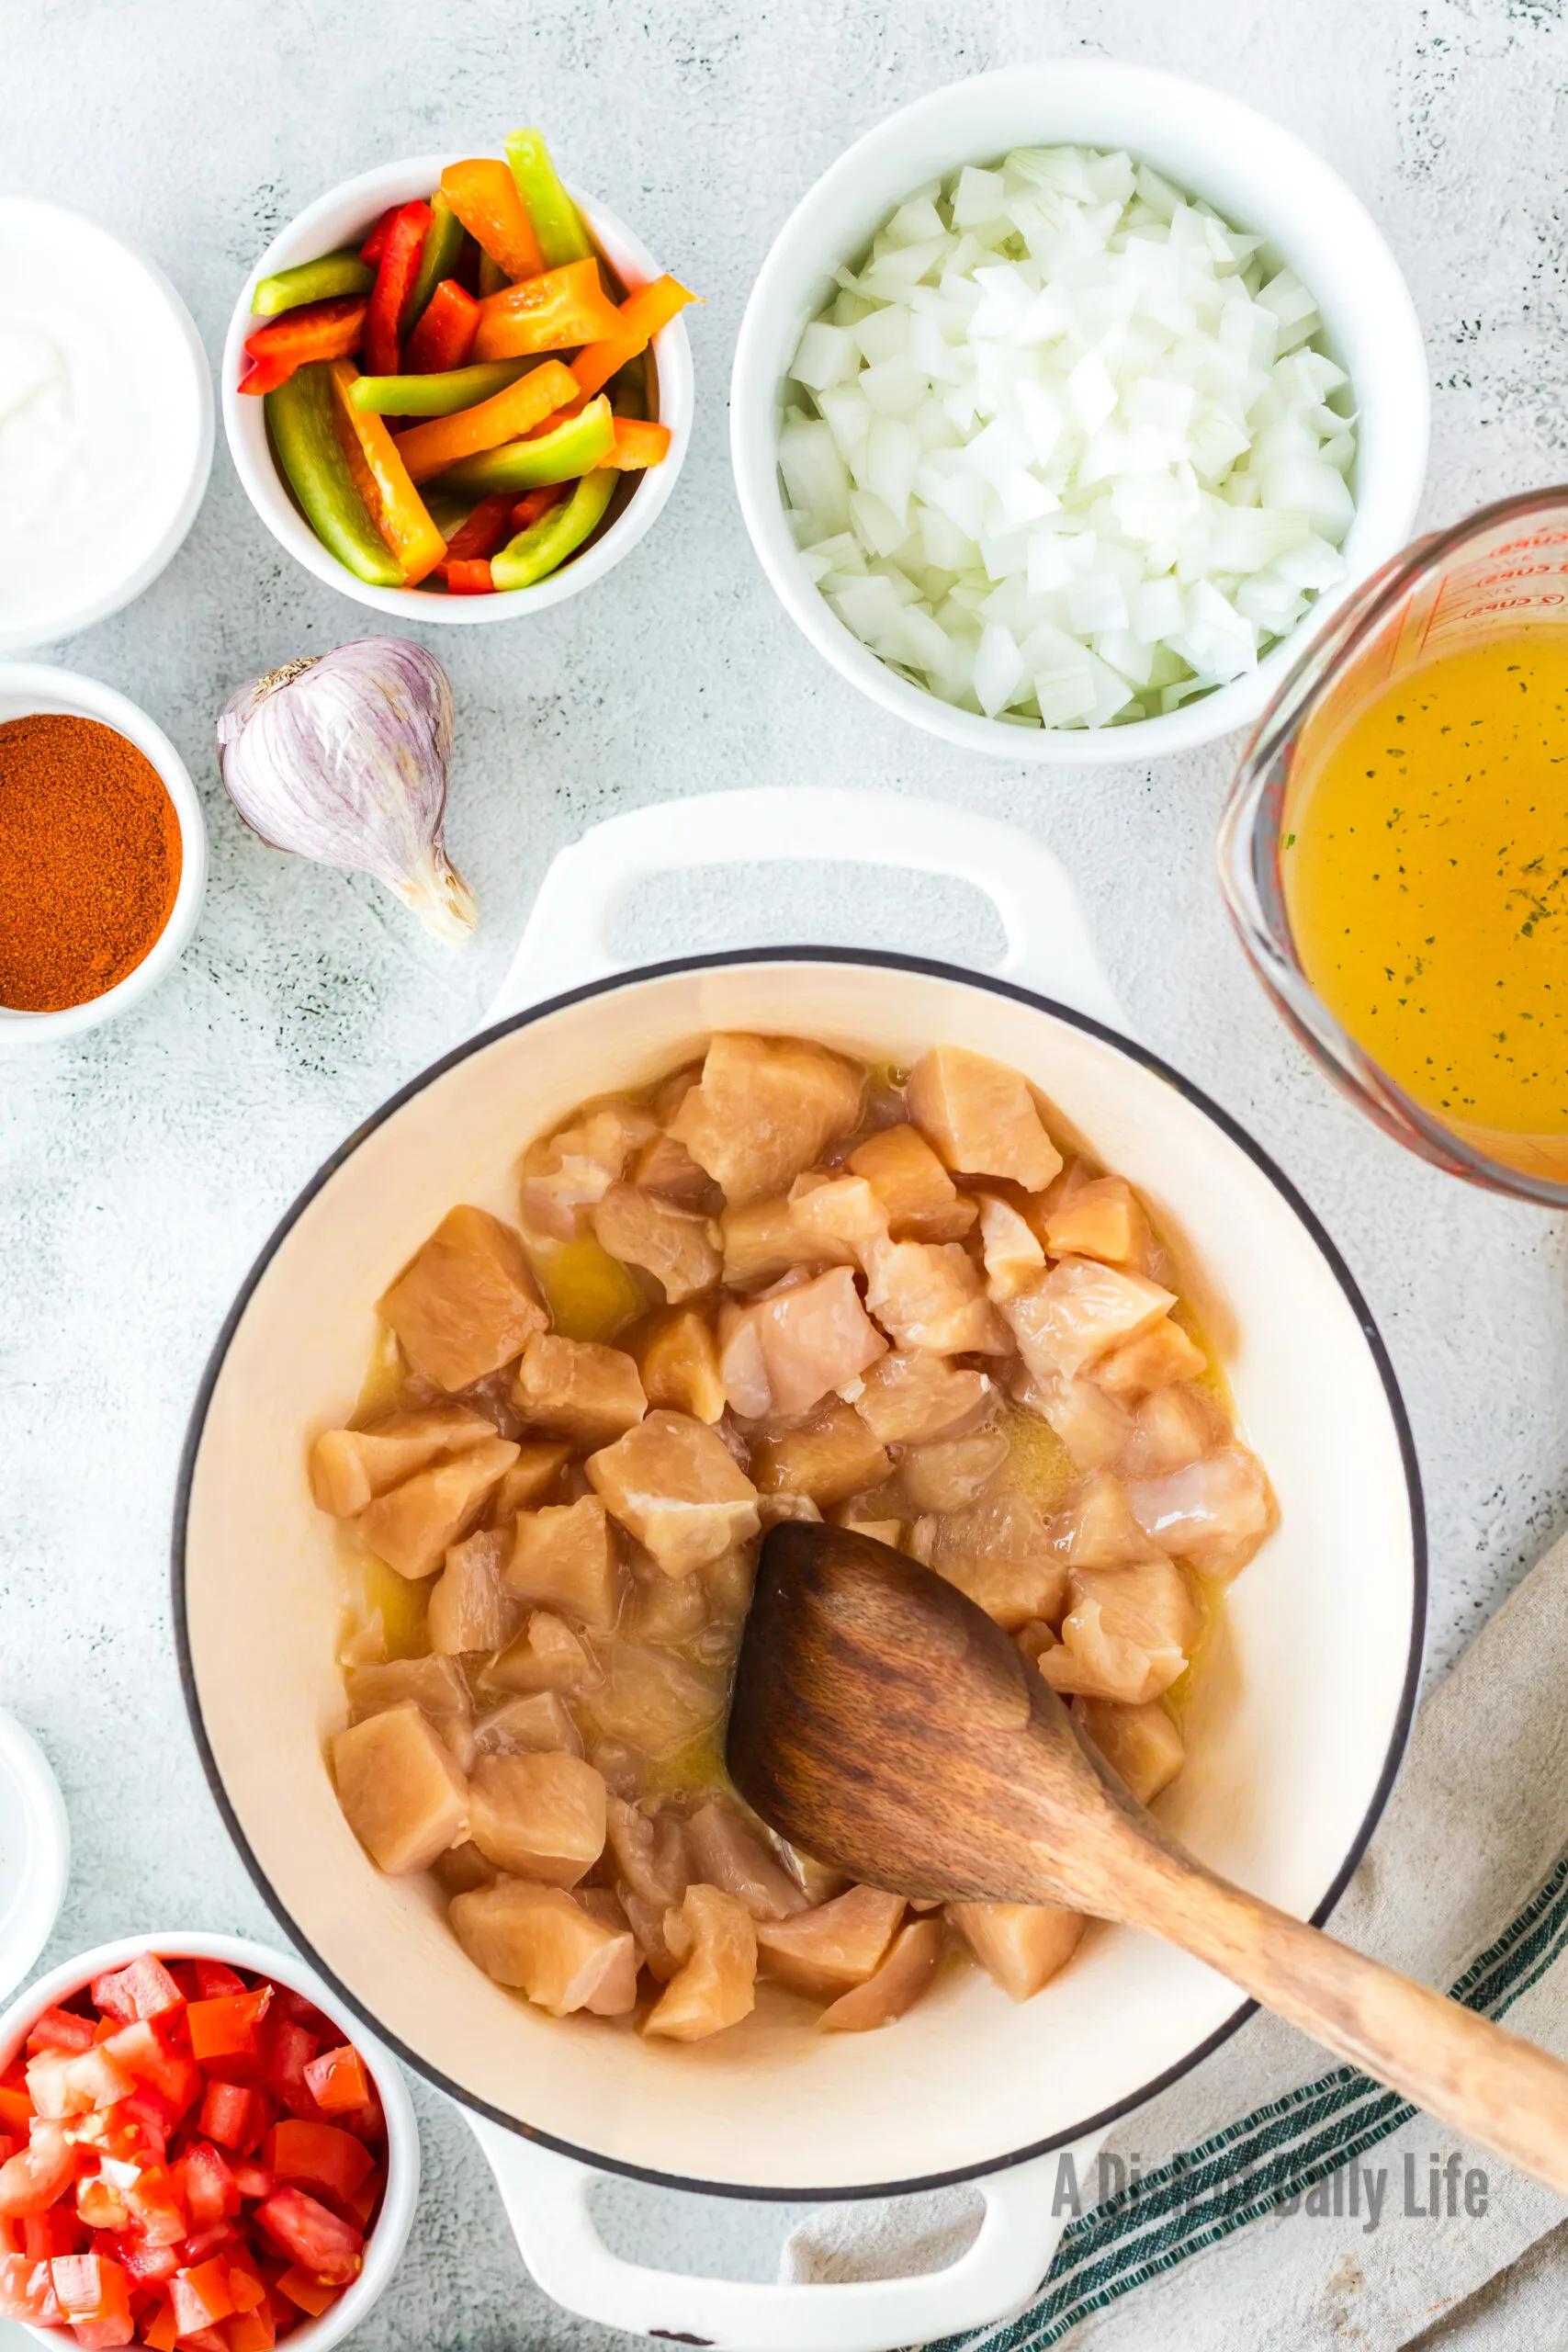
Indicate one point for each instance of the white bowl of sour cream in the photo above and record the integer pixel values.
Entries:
(105, 422)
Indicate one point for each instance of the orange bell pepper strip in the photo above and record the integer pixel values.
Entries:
(382, 479)
(427, 449)
(637, 321)
(635, 444)
(555, 311)
(483, 195)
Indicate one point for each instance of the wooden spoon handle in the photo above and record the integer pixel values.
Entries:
(1496, 2089)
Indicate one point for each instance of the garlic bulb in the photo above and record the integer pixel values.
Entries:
(342, 757)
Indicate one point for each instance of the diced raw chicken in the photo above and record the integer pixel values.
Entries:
(839, 1945)
(577, 1389)
(812, 1338)
(650, 1853)
(1078, 1311)
(838, 1209)
(1172, 1428)
(467, 1302)
(862, 1517)
(723, 1852)
(1140, 1743)
(771, 1509)
(1126, 1636)
(667, 1168)
(764, 1108)
(766, 1239)
(1098, 1530)
(400, 1791)
(1021, 1945)
(952, 1473)
(647, 1923)
(832, 1456)
(541, 1940)
(678, 1247)
(411, 1527)
(1103, 1218)
(1014, 1255)
(564, 1558)
(930, 1295)
(676, 1486)
(716, 1987)
(434, 1684)
(1092, 1426)
(904, 1975)
(1155, 1359)
(541, 1816)
(570, 1170)
(918, 1197)
(742, 1368)
(539, 1725)
(1034, 1639)
(999, 1553)
(913, 1397)
(1214, 1512)
(470, 1607)
(678, 1357)
(546, 1656)
(462, 1868)
(350, 1467)
(979, 1118)
(818, 1882)
(665, 1610)
(651, 1700)
(528, 1482)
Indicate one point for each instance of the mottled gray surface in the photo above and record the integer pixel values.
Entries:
(142, 1168)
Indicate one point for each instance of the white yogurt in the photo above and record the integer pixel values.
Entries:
(105, 422)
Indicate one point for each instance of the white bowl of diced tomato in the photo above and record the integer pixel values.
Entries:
(196, 2153)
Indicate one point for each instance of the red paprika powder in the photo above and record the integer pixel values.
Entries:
(89, 859)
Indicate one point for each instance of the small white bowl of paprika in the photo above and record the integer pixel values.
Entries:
(103, 854)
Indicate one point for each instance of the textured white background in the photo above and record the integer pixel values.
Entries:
(142, 1168)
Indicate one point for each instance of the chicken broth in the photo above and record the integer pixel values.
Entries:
(779, 1284)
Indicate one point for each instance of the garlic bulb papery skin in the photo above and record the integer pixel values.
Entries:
(342, 757)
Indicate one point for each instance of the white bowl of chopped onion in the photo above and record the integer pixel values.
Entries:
(1066, 402)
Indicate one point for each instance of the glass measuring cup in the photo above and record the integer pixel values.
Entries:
(1502, 570)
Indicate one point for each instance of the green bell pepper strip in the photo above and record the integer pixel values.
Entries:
(304, 434)
(534, 553)
(575, 447)
(442, 244)
(557, 224)
(442, 394)
(311, 281)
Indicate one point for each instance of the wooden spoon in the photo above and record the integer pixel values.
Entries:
(884, 1723)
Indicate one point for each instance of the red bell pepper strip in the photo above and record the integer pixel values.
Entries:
(392, 293)
(470, 578)
(319, 331)
(443, 338)
(534, 503)
(374, 244)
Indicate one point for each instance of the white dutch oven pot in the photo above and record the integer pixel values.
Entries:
(1299, 1723)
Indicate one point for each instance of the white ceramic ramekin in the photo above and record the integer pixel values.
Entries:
(344, 217)
(1254, 173)
(28, 688)
(384, 2246)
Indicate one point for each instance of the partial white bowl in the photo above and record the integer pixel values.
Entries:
(1254, 173)
(384, 2246)
(35, 1851)
(136, 357)
(346, 217)
(28, 687)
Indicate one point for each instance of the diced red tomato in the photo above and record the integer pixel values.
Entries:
(8, 2147)
(31, 2180)
(215, 1979)
(204, 2185)
(93, 2291)
(252, 2181)
(161, 2334)
(320, 2156)
(59, 2029)
(143, 1989)
(184, 1974)
(315, 2240)
(337, 2079)
(312, 2295)
(205, 2339)
(234, 2116)
(16, 2107)
(229, 2025)
(203, 2243)
(100, 2205)
(250, 2330)
(148, 2265)
(290, 2050)
(27, 2292)
(247, 2289)
(201, 2297)
(62, 2085)
(155, 2207)
(367, 2122)
(140, 2049)
(363, 2201)
(46, 2234)
(304, 2012)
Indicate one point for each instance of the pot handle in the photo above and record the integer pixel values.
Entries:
(545, 2196)
(566, 941)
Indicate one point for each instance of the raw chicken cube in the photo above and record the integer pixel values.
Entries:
(546, 1656)
(541, 1940)
(1092, 1426)
(667, 1168)
(1021, 1945)
(350, 1467)
(774, 1509)
(834, 1455)
(1101, 1219)
(725, 1854)
(897, 1985)
(813, 1336)
(1127, 1634)
(1172, 1428)
(1141, 1744)
(665, 1610)
(1014, 1255)
(564, 1558)
(1155, 1359)
(467, 1302)
(678, 1358)
(411, 1527)
(742, 1367)
(867, 1515)
(433, 1683)
(1099, 1531)
(650, 1853)
(979, 1118)
(1214, 1512)
(1078, 1311)
(840, 1210)
(568, 1171)
(678, 1247)
(651, 1701)
(577, 1389)
(530, 1478)
(716, 1985)
(918, 1197)
(766, 1239)
(541, 1816)
(647, 1923)
(839, 1945)
(462, 1868)
(403, 1795)
(674, 1483)
(930, 1295)
(999, 1553)
(540, 1723)
(912, 1396)
(952, 1473)
(764, 1108)
(470, 1607)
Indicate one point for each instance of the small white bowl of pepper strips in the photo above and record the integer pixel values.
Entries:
(103, 854)
(459, 390)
